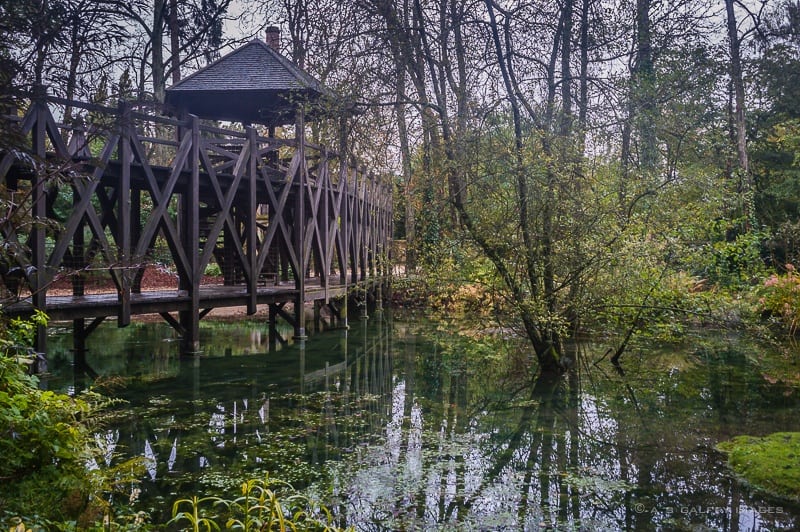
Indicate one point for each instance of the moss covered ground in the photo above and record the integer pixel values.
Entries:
(770, 464)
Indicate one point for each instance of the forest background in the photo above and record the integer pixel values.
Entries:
(581, 165)
(625, 167)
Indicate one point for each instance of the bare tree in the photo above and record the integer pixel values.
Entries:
(193, 28)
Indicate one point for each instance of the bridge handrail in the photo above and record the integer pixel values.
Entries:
(87, 106)
(137, 111)
(162, 119)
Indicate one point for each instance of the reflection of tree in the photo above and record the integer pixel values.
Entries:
(446, 456)
(513, 457)
(458, 447)
(534, 436)
(666, 413)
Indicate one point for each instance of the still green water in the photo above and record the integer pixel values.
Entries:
(402, 424)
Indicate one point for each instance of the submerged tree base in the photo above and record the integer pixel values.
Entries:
(770, 464)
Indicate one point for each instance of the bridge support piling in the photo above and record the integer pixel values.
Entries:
(365, 304)
(343, 317)
(317, 315)
(124, 217)
(79, 342)
(190, 340)
(273, 327)
(252, 225)
(80, 332)
(37, 274)
(300, 223)
(301, 345)
(300, 318)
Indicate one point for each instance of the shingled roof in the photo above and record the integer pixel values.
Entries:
(253, 84)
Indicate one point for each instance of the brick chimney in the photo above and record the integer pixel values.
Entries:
(274, 38)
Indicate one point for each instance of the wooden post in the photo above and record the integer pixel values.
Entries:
(79, 353)
(344, 202)
(382, 242)
(136, 234)
(300, 228)
(228, 254)
(366, 221)
(273, 327)
(352, 198)
(343, 313)
(252, 218)
(37, 278)
(190, 239)
(124, 215)
(324, 213)
(388, 237)
(301, 344)
(378, 295)
(318, 315)
(78, 256)
(79, 336)
(346, 377)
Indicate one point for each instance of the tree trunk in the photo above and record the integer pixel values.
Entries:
(42, 39)
(157, 42)
(72, 75)
(644, 78)
(583, 98)
(405, 156)
(545, 345)
(745, 183)
(174, 41)
(566, 72)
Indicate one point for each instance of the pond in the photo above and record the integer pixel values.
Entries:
(403, 424)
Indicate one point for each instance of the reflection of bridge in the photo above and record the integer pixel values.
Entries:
(253, 421)
(288, 222)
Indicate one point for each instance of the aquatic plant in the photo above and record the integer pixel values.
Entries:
(195, 516)
(264, 504)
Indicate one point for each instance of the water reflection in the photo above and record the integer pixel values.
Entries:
(415, 428)
(591, 452)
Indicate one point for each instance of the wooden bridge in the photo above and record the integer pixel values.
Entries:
(287, 222)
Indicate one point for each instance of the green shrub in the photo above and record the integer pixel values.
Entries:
(735, 263)
(213, 269)
(47, 441)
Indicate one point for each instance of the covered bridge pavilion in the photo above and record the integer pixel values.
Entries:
(287, 221)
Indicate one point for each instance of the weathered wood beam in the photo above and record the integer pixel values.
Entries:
(252, 215)
(173, 322)
(161, 198)
(226, 202)
(299, 226)
(84, 190)
(279, 221)
(37, 277)
(190, 240)
(123, 232)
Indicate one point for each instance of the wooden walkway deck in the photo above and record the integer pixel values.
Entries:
(67, 307)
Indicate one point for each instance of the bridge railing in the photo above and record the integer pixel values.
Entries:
(106, 190)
